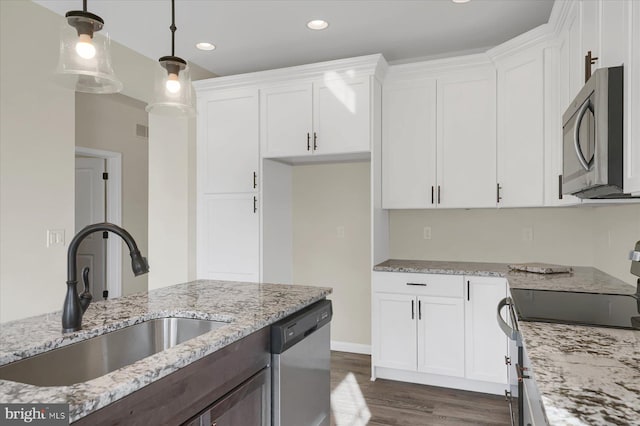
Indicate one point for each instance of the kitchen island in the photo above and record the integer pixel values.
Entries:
(585, 375)
(246, 308)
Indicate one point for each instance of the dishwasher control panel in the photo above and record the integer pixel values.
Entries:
(299, 325)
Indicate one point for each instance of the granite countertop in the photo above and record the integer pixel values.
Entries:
(582, 279)
(585, 375)
(247, 307)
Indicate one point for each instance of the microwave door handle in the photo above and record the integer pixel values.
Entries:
(586, 165)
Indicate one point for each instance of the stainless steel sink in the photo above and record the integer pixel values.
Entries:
(100, 355)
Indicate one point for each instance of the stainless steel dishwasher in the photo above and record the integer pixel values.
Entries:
(300, 354)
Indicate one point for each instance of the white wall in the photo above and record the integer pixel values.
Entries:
(326, 197)
(571, 236)
(108, 122)
(37, 121)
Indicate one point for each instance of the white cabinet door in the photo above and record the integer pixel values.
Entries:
(521, 130)
(485, 343)
(229, 238)
(394, 331)
(614, 31)
(632, 107)
(409, 144)
(466, 127)
(286, 120)
(341, 116)
(228, 147)
(441, 336)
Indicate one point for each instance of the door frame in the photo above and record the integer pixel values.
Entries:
(114, 214)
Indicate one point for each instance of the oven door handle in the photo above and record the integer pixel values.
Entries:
(586, 165)
(509, 331)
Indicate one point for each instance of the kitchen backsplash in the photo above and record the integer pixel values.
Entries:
(587, 236)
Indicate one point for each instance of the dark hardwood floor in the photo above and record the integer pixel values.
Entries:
(356, 400)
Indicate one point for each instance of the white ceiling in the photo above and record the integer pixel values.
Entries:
(254, 35)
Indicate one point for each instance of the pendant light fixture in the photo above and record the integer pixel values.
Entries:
(173, 82)
(85, 60)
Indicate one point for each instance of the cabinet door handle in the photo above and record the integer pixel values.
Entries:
(559, 187)
(507, 360)
(420, 284)
(468, 288)
(498, 197)
(438, 194)
(419, 309)
(255, 180)
(308, 141)
(315, 141)
(255, 204)
(431, 194)
(413, 309)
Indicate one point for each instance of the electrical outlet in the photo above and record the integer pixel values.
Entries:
(55, 237)
(340, 231)
(527, 234)
(426, 233)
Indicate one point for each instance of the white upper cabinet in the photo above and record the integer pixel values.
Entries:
(229, 237)
(228, 147)
(408, 144)
(632, 106)
(330, 116)
(521, 129)
(466, 138)
(286, 120)
(439, 138)
(341, 115)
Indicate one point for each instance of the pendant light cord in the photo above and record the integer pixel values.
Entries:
(84, 5)
(173, 27)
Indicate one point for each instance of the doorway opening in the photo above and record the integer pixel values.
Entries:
(99, 199)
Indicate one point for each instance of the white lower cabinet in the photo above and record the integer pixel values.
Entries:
(485, 343)
(440, 336)
(439, 330)
(395, 330)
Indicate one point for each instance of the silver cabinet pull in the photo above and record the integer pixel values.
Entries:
(438, 194)
(255, 180)
(431, 194)
(419, 309)
(413, 309)
(420, 284)
(315, 141)
(308, 141)
(498, 197)
(586, 165)
(255, 204)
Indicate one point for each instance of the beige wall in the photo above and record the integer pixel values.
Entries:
(326, 197)
(108, 122)
(572, 236)
(37, 139)
(36, 162)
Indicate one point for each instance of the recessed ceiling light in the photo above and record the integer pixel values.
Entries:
(461, 1)
(205, 46)
(317, 24)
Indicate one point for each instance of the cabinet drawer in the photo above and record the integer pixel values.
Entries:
(418, 284)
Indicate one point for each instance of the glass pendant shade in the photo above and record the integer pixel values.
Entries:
(172, 88)
(84, 64)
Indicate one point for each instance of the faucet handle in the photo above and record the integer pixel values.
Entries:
(85, 296)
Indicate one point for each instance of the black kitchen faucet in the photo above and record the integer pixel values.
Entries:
(74, 305)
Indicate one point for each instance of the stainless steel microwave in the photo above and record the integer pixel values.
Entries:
(592, 140)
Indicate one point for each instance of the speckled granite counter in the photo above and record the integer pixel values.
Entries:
(584, 279)
(247, 307)
(585, 375)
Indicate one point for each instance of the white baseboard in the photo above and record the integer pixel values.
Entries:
(356, 348)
